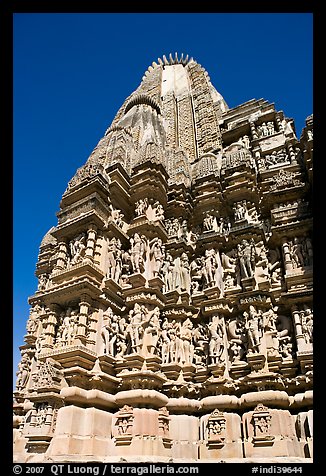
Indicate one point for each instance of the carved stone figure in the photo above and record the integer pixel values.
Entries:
(117, 216)
(307, 325)
(33, 320)
(68, 327)
(42, 282)
(240, 210)
(253, 325)
(158, 211)
(114, 259)
(141, 206)
(187, 347)
(77, 248)
(109, 332)
(157, 255)
(181, 274)
(138, 248)
(210, 223)
(135, 328)
(247, 257)
(150, 330)
(23, 372)
(297, 253)
(216, 345)
(165, 345)
(167, 273)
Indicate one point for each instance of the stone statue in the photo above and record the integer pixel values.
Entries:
(158, 211)
(262, 265)
(210, 223)
(181, 274)
(109, 332)
(245, 141)
(296, 253)
(167, 273)
(274, 267)
(135, 328)
(216, 345)
(33, 320)
(253, 325)
(269, 319)
(116, 216)
(240, 210)
(114, 259)
(307, 325)
(196, 274)
(212, 270)
(157, 255)
(137, 252)
(68, 327)
(187, 347)
(23, 372)
(141, 206)
(77, 248)
(150, 330)
(165, 342)
(247, 257)
(42, 282)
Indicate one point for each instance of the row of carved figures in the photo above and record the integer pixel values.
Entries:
(146, 332)
(200, 344)
(223, 270)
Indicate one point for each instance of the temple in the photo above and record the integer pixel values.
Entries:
(173, 318)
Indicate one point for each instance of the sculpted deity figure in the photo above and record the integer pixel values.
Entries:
(135, 328)
(253, 325)
(175, 344)
(297, 253)
(263, 130)
(210, 267)
(165, 342)
(33, 320)
(151, 330)
(68, 328)
(167, 273)
(42, 282)
(269, 319)
(77, 248)
(212, 270)
(23, 372)
(307, 325)
(196, 274)
(157, 254)
(262, 264)
(141, 207)
(181, 274)
(109, 332)
(186, 340)
(240, 210)
(121, 343)
(138, 248)
(216, 345)
(247, 258)
(158, 211)
(210, 223)
(114, 259)
(116, 216)
(270, 127)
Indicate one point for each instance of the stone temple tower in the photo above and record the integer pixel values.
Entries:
(173, 317)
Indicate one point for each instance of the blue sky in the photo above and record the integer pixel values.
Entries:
(72, 72)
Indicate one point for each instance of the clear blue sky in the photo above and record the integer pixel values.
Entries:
(73, 71)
